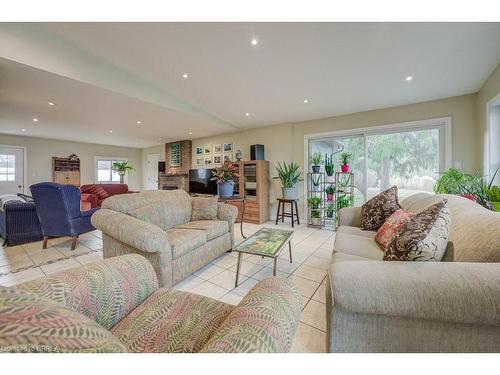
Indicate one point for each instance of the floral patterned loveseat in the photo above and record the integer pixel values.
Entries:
(116, 306)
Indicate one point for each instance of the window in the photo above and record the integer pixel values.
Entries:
(104, 172)
(7, 167)
(407, 155)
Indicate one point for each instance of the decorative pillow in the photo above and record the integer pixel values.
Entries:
(29, 323)
(99, 191)
(379, 208)
(204, 208)
(424, 237)
(388, 230)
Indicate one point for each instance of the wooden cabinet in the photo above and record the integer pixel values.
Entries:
(253, 185)
(66, 171)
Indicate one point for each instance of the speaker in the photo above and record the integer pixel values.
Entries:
(161, 167)
(257, 152)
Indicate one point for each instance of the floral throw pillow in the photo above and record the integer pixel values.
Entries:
(204, 208)
(99, 191)
(424, 237)
(379, 208)
(388, 230)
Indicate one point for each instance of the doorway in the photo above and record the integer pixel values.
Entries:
(152, 171)
(12, 169)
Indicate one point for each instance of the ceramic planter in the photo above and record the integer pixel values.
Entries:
(290, 193)
(226, 189)
(329, 197)
(316, 221)
(315, 168)
(344, 168)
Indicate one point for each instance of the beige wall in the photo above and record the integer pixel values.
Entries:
(490, 89)
(285, 142)
(40, 152)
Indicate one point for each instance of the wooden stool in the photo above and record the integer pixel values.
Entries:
(282, 214)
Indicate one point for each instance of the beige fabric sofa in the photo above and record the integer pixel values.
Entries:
(157, 225)
(450, 306)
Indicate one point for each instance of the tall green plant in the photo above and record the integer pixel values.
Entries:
(289, 174)
(316, 159)
(345, 157)
(329, 165)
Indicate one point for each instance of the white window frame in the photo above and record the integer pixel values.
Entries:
(25, 165)
(108, 158)
(444, 125)
(489, 146)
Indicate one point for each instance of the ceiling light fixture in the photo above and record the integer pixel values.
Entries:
(52, 103)
(35, 119)
(409, 78)
(23, 130)
(185, 75)
(111, 132)
(190, 133)
(139, 122)
(306, 101)
(254, 41)
(247, 114)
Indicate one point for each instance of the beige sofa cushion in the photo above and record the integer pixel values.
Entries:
(358, 245)
(212, 228)
(356, 231)
(183, 241)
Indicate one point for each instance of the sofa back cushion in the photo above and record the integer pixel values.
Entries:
(30, 323)
(204, 208)
(475, 231)
(176, 203)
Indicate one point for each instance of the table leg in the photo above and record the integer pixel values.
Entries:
(291, 209)
(243, 205)
(297, 212)
(290, 249)
(274, 267)
(278, 213)
(238, 266)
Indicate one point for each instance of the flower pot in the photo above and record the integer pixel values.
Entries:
(316, 221)
(290, 193)
(226, 189)
(329, 197)
(315, 168)
(329, 170)
(344, 168)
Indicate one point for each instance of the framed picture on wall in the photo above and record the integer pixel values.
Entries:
(208, 160)
(207, 150)
(228, 147)
(228, 157)
(200, 161)
(199, 150)
(217, 160)
(217, 149)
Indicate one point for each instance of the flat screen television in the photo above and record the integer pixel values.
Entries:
(199, 182)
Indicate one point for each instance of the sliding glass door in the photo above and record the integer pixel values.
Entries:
(409, 157)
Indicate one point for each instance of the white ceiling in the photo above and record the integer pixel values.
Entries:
(339, 67)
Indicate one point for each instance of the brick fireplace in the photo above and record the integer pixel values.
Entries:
(176, 176)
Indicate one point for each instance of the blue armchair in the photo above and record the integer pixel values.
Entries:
(58, 208)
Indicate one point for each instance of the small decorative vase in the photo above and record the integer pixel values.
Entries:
(122, 177)
(315, 168)
(226, 189)
(238, 155)
(290, 193)
(344, 168)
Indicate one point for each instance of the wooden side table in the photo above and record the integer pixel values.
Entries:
(282, 214)
(237, 198)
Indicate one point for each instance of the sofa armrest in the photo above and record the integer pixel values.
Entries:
(265, 320)
(105, 291)
(92, 198)
(445, 291)
(131, 231)
(350, 216)
(228, 212)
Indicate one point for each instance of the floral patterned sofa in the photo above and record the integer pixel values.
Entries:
(159, 225)
(116, 306)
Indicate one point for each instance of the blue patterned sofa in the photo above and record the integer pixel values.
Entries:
(116, 306)
(159, 225)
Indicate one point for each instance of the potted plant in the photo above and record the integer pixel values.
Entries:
(345, 157)
(493, 194)
(343, 201)
(224, 176)
(122, 168)
(329, 210)
(329, 165)
(314, 203)
(330, 190)
(316, 161)
(289, 174)
(315, 180)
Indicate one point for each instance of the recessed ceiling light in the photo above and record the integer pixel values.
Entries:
(306, 100)
(52, 103)
(190, 133)
(247, 114)
(23, 130)
(254, 41)
(35, 119)
(139, 122)
(111, 132)
(409, 78)
(185, 75)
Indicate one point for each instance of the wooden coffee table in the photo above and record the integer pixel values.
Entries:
(267, 242)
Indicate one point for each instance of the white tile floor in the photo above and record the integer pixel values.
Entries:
(311, 251)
